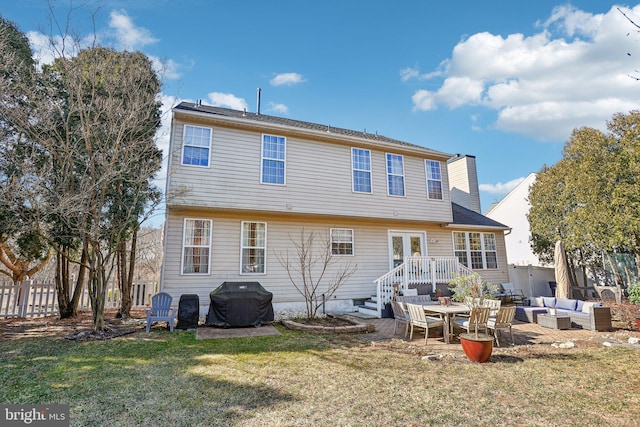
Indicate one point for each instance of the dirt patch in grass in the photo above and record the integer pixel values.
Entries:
(624, 315)
(329, 321)
(76, 329)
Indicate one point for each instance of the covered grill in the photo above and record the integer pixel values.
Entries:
(235, 304)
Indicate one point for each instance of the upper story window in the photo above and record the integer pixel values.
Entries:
(361, 167)
(253, 247)
(434, 179)
(196, 145)
(196, 246)
(273, 160)
(476, 250)
(341, 241)
(395, 175)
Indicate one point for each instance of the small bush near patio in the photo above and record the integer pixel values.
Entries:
(302, 379)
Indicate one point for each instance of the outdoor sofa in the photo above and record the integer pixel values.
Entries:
(584, 314)
(415, 299)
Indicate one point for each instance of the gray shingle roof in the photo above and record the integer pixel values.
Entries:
(227, 112)
(464, 216)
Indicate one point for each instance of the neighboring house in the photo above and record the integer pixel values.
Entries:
(242, 187)
(526, 270)
(512, 211)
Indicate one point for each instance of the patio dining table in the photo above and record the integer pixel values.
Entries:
(447, 311)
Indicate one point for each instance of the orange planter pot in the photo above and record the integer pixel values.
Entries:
(477, 348)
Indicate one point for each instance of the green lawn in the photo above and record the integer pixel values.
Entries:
(166, 379)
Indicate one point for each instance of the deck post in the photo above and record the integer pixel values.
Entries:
(433, 275)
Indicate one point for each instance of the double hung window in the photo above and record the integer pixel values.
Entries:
(341, 241)
(476, 250)
(196, 246)
(196, 145)
(395, 175)
(273, 160)
(361, 167)
(253, 247)
(434, 179)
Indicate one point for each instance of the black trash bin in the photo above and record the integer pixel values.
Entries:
(188, 311)
(553, 286)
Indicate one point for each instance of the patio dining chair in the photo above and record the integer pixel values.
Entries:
(400, 315)
(160, 310)
(503, 320)
(418, 319)
(493, 304)
(477, 320)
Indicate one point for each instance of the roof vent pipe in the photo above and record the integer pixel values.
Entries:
(258, 102)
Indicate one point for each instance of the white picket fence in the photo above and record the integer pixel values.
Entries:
(34, 299)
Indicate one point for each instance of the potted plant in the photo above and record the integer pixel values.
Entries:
(472, 290)
(634, 298)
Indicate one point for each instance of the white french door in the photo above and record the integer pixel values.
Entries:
(405, 243)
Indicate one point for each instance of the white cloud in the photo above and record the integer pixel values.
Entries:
(129, 35)
(166, 69)
(227, 100)
(573, 72)
(501, 188)
(288, 79)
(46, 49)
(278, 108)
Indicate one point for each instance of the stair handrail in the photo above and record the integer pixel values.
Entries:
(384, 289)
(438, 269)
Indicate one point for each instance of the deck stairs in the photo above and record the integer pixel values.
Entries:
(370, 307)
(432, 272)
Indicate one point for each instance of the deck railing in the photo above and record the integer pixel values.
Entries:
(33, 298)
(418, 271)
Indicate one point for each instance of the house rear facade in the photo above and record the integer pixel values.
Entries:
(243, 188)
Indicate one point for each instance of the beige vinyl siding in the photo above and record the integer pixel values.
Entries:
(463, 185)
(371, 254)
(318, 180)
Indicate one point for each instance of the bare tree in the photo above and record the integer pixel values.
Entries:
(149, 254)
(83, 132)
(308, 268)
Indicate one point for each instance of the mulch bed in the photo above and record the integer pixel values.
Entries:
(75, 329)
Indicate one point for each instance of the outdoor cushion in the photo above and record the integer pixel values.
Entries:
(579, 305)
(549, 302)
(587, 305)
(566, 304)
(579, 314)
(537, 302)
(561, 312)
(410, 292)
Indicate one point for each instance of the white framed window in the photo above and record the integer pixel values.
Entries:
(434, 179)
(476, 250)
(253, 247)
(273, 166)
(361, 170)
(196, 246)
(196, 146)
(395, 174)
(341, 241)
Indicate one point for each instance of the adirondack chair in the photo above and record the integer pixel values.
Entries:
(160, 310)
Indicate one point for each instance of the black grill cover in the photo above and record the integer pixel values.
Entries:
(188, 311)
(238, 304)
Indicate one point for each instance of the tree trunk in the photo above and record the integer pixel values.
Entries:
(97, 286)
(126, 273)
(67, 301)
(62, 284)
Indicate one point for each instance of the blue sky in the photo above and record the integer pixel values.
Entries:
(504, 80)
